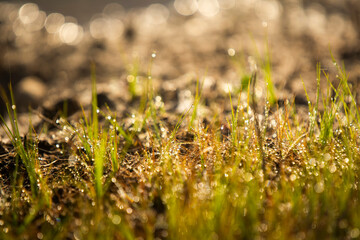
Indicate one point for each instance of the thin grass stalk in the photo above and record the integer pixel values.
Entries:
(94, 105)
(257, 124)
(268, 78)
(198, 92)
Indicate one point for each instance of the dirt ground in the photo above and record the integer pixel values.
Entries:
(46, 72)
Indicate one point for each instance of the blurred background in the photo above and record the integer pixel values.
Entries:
(83, 10)
(46, 46)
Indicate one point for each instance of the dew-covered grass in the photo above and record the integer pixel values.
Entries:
(260, 174)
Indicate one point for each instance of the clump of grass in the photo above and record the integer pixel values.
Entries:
(24, 149)
(26, 156)
(196, 181)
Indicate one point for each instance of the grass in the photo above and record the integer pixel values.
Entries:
(243, 179)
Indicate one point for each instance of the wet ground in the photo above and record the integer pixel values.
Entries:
(48, 56)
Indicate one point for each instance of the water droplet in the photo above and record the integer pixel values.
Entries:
(332, 168)
(312, 162)
(292, 177)
(248, 177)
(327, 156)
(231, 52)
(354, 233)
(343, 224)
(129, 210)
(116, 219)
(13, 107)
(153, 55)
(39, 235)
(319, 187)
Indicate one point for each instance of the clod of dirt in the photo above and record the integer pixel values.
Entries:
(66, 107)
(30, 91)
(104, 101)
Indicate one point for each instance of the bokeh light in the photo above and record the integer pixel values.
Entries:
(98, 28)
(30, 19)
(268, 9)
(157, 14)
(71, 33)
(209, 8)
(104, 27)
(28, 13)
(227, 4)
(18, 27)
(114, 10)
(38, 23)
(316, 19)
(53, 22)
(186, 7)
